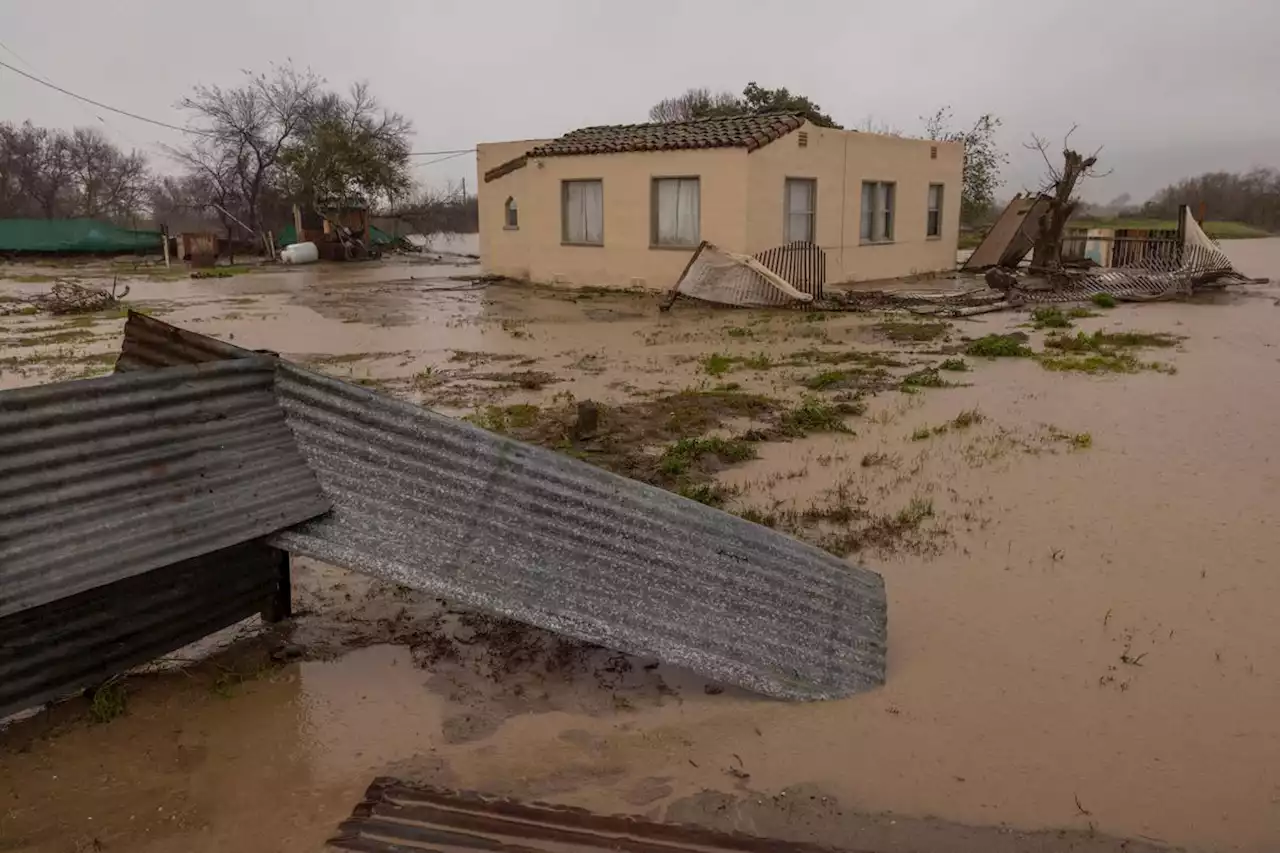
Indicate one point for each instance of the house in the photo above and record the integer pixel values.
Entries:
(626, 205)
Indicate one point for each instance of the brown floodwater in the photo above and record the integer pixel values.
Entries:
(1082, 637)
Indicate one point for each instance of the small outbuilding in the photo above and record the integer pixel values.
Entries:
(626, 205)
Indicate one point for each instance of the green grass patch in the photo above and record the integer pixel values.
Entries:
(906, 331)
(999, 346)
(956, 365)
(738, 332)
(679, 457)
(108, 702)
(1050, 317)
(1080, 312)
(929, 377)
(815, 415)
(759, 361)
(1104, 342)
(1093, 363)
(711, 494)
(826, 379)
(503, 418)
(1103, 300)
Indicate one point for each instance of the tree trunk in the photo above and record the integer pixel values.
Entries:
(1047, 253)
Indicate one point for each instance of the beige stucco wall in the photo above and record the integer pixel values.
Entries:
(535, 252)
(741, 201)
(840, 161)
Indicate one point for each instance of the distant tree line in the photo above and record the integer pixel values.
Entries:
(1251, 197)
(433, 211)
(256, 149)
(55, 174)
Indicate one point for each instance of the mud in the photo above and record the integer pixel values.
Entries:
(1082, 633)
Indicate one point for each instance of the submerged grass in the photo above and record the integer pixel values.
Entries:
(814, 415)
(999, 346)
(912, 331)
(679, 457)
(1050, 317)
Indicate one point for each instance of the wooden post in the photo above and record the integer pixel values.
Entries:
(280, 607)
(675, 288)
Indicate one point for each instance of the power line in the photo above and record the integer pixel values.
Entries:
(433, 153)
(456, 152)
(100, 104)
(442, 159)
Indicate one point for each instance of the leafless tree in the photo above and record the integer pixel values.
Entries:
(245, 131)
(696, 103)
(1060, 185)
(107, 182)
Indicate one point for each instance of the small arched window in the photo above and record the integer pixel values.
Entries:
(511, 213)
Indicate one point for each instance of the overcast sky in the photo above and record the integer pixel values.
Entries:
(1170, 88)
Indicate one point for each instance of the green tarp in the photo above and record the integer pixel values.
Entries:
(287, 235)
(74, 235)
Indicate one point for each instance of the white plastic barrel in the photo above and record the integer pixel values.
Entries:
(299, 253)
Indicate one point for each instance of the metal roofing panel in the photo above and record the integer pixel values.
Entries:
(51, 651)
(102, 479)
(396, 817)
(442, 506)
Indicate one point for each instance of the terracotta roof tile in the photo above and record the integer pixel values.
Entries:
(744, 131)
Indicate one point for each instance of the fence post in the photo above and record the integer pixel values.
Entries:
(280, 606)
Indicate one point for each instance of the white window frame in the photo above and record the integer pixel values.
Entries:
(565, 212)
(876, 221)
(655, 212)
(933, 214)
(511, 214)
(811, 213)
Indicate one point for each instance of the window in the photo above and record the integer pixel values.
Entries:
(801, 201)
(582, 204)
(511, 214)
(677, 206)
(933, 227)
(877, 211)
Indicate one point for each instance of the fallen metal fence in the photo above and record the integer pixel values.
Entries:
(441, 506)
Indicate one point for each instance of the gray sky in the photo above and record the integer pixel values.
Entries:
(1170, 88)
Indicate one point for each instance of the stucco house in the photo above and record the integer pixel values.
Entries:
(625, 205)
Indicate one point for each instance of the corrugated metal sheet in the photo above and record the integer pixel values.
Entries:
(103, 479)
(441, 506)
(396, 817)
(51, 651)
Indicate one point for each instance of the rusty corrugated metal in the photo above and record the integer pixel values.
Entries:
(396, 817)
(53, 650)
(103, 479)
(442, 506)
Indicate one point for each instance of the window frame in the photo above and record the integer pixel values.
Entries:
(653, 211)
(812, 212)
(509, 207)
(929, 211)
(889, 224)
(564, 211)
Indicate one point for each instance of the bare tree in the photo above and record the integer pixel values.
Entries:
(696, 103)
(246, 130)
(37, 171)
(1060, 185)
(107, 182)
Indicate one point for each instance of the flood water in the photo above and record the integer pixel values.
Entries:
(1088, 642)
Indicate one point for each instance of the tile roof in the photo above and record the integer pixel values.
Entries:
(742, 131)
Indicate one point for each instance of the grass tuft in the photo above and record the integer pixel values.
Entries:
(958, 365)
(108, 702)
(1103, 300)
(1050, 317)
(814, 415)
(999, 346)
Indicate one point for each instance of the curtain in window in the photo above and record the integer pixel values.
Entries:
(584, 212)
(868, 211)
(799, 211)
(934, 225)
(678, 212)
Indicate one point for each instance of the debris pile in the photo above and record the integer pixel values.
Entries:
(66, 297)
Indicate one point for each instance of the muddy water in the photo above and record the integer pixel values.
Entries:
(1083, 637)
